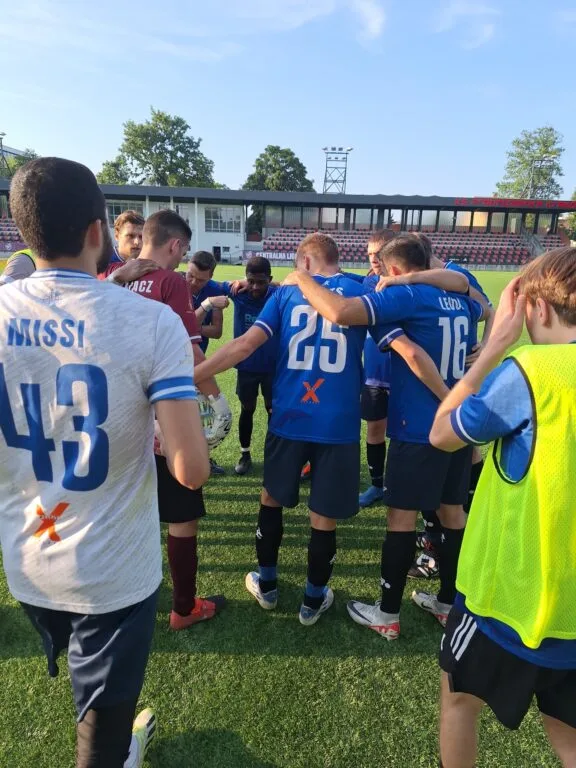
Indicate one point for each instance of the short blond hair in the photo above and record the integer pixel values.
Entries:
(319, 246)
(128, 217)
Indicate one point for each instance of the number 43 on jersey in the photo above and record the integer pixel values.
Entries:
(41, 447)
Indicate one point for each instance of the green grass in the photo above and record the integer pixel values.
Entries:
(257, 690)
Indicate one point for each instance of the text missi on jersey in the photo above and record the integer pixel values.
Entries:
(24, 332)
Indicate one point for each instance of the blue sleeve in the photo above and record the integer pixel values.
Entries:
(384, 334)
(225, 287)
(475, 284)
(502, 406)
(391, 305)
(269, 319)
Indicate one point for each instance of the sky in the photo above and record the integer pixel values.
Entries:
(429, 93)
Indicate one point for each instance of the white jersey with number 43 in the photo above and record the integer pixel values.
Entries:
(81, 363)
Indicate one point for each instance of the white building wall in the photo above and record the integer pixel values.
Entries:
(231, 244)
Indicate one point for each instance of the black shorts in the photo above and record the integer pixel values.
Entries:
(477, 665)
(176, 503)
(419, 476)
(373, 403)
(334, 475)
(107, 652)
(248, 384)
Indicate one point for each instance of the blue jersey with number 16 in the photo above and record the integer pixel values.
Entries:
(441, 323)
(316, 395)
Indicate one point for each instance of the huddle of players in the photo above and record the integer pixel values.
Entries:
(419, 380)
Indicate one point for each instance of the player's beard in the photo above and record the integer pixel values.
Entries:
(107, 249)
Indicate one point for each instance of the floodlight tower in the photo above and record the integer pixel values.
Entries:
(336, 168)
(4, 167)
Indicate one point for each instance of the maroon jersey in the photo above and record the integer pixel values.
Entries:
(169, 288)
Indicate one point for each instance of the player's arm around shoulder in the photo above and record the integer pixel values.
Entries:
(171, 390)
(445, 279)
(332, 306)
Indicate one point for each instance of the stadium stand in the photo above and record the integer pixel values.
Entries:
(469, 247)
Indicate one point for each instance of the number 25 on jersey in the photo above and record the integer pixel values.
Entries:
(95, 402)
(333, 345)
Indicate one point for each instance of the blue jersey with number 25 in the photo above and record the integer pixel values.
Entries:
(319, 374)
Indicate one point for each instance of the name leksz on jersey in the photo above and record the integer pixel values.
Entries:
(450, 303)
(141, 286)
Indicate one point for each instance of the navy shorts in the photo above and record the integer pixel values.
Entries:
(107, 652)
(176, 503)
(248, 384)
(419, 476)
(374, 403)
(475, 664)
(334, 475)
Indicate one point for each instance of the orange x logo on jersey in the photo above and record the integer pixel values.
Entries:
(311, 391)
(49, 521)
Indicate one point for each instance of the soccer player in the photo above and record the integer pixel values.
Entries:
(374, 398)
(315, 417)
(418, 476)
(427, 565)
(209, 298)
(511, 635)
(256, 372)
(128, 233)
(166, 238)
(78, 508)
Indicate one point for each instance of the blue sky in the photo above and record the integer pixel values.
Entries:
(430, 93)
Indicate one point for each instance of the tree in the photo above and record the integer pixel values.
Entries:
(275, 170)
(533, 166)
(13, 162)
(159, 151)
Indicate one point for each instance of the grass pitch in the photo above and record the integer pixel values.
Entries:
(257, 690)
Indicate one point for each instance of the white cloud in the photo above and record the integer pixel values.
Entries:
(475, 19)
(209, 32)
(372, 17)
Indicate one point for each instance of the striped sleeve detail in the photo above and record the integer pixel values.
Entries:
(175, 388)
(196, 339)
(370, 309)
(265, 327)
(389, 337)
(458, 427)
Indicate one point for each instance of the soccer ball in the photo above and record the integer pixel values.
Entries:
(216, 427)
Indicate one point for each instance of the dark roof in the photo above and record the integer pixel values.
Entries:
(182, 194)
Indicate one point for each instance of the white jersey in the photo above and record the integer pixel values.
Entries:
(81, 362)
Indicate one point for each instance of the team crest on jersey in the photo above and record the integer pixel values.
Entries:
(311, 391)
(48, 522)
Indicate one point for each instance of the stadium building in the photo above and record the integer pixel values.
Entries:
(483, 232)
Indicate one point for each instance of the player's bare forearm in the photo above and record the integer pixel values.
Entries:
(229, 355)
(183, 441)
(488, 324)
(447, 279)
(330, 305)
(421, 365)
(214, 330)
(208, 385)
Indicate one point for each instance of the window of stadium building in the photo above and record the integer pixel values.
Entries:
(223, 219)
(363, 218)
(116, 207)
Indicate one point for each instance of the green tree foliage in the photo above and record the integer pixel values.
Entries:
(533, 166)
(160, 151)
(276, 169)
(10, 165)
